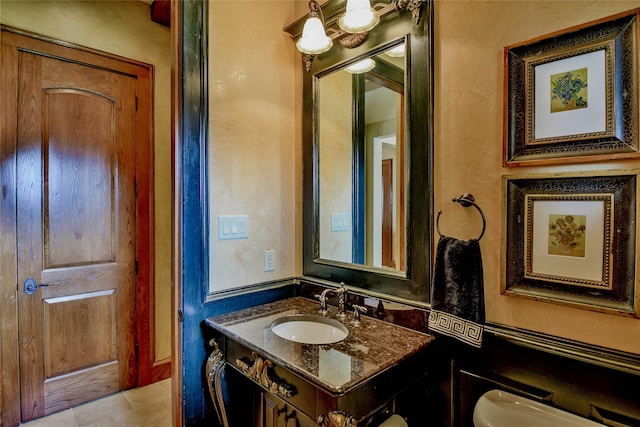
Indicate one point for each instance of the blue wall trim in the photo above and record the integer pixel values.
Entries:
(192, 187)
(239, 302)
(190, 158)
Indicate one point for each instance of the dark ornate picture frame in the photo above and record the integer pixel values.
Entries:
(610, 228)
(590, 71)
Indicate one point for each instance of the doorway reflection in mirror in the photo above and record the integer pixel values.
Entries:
(361, 163)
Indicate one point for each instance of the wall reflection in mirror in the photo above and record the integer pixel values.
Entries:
(361, 162)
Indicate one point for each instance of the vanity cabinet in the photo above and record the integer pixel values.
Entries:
(378, 368)
(276, 412)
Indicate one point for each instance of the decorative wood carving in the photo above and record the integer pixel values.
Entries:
(258, 371)
(307, 60)
(215, 371)
(336, 419)
(413, 6)
(353, 40)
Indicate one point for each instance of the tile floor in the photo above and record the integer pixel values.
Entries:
(148, 406)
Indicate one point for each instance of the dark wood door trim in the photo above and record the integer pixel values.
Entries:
(12, 40)
(387, 213)
(149, 369)
(10, 382)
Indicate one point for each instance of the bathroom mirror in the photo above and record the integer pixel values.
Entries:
(361, 174)
(354, 126)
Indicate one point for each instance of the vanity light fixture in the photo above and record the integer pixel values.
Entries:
(351, 29)
(359, 17)
(360, 67)
(314, 39)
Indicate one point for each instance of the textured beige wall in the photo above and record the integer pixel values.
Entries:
(123, 28)
(253, 140)
(469, 39)
(335, 159)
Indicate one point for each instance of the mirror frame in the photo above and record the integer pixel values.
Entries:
(413, 284)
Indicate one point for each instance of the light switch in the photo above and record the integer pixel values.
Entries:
(339, 222)
(233, 227)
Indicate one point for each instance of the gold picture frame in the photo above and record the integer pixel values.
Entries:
(568, 238)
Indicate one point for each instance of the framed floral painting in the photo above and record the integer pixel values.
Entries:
(572, 96)
(571, 239)
(568, 238)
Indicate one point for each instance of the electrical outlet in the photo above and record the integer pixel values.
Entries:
(269, 260)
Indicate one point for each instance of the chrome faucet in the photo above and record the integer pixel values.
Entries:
(323, 301)
(342, 297)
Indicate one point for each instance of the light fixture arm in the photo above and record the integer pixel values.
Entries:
(314, 7)
(314, 39)
(413, 6)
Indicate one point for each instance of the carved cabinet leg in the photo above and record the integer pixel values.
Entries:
(336, 419)
(215, 377)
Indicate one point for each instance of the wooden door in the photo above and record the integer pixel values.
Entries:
(76, 232)
(387, 213)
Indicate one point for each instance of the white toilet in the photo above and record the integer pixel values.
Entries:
(498, 408)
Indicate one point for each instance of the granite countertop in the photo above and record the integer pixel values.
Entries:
(370, 348)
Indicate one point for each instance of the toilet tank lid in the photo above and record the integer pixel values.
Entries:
(497, 408)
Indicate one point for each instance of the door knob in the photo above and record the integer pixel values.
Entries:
(30, 285)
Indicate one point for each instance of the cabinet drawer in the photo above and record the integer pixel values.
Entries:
(304, 394)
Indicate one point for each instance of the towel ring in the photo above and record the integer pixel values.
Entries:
(465, 200)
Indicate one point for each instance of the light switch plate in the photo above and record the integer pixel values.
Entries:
(339, 221)
(233, 227)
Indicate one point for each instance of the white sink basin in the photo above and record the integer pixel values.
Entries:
(309, 329)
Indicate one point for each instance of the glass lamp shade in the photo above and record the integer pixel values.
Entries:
(361, 66)
(359, 17)
(396, 52)
(314, 40)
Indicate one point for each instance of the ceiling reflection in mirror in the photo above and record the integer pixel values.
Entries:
(361, 162)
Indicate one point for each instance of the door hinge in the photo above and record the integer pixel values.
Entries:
(136, 103)
(180, 316)
(137, 267)
(135, 185)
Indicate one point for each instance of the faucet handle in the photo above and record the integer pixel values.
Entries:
(357, 309)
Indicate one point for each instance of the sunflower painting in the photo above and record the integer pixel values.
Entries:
(567, 235)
